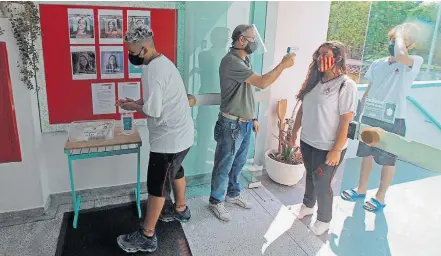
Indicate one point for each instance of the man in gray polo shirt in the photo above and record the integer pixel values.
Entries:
(237, 117)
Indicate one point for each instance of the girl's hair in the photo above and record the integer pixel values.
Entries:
(85, 21)
(114, 25)
(115, 65)
(79, 66)
(314, 75)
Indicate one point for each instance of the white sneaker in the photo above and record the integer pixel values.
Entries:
(305, 211)
(220, 211)
(239, 200)
(319, 227)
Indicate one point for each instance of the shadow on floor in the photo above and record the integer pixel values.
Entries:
(357, 231)
(347, 177)
(354, 237)
(405, 172)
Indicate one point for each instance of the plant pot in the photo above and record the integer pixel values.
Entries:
(285, 174)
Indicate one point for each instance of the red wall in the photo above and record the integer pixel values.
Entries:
(71, 100)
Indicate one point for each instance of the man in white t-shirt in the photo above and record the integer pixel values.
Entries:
(390, 80)
(171, 133)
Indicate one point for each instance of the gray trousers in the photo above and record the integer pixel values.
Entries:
(318, 180)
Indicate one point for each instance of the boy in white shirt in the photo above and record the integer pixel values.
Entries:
(171, 134)
(390, 80)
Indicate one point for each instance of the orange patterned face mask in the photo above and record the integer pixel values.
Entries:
(325, 62)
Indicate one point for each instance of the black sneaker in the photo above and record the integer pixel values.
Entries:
(171, 214)
(137, 241)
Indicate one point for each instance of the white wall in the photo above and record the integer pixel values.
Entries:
(91, 173)
(44, 169)
(20, 183)
(302, 24)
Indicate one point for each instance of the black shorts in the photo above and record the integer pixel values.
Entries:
(163, 169)
(381, 157)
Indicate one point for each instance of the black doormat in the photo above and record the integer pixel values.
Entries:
(98, 229)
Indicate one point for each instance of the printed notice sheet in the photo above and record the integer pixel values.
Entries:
(380, 110)
(131, 90)
(103, 98)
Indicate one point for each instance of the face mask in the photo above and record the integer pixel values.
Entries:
(251, 47)
(136, 60)
(325, 62)
(391, 49)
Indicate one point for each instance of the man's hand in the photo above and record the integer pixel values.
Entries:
(123, 101)
(288, 60)
(256, 126)
(129, 106)
(262, 82)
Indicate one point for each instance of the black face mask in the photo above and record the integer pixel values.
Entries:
(391, 49)
(135, 59)
(251, 47)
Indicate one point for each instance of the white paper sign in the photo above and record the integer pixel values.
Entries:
(131, 90)
(380, 110)
(103, 98)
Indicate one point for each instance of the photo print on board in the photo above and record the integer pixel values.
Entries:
(137, 18)
(134, 19)
(83, 62)
(112, 62)
(81, 26)
(111, 26)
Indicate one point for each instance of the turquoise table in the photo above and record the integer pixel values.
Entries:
(120, 145)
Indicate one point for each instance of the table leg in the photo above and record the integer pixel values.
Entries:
(138, 183)
(76, 201)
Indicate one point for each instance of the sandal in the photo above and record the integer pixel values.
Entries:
(373, 205)
(351, 195)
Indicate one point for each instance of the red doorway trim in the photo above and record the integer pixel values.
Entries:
(10, 143)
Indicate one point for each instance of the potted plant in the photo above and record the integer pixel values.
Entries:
(285, 164)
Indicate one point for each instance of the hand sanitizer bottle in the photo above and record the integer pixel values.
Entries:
(127, 123)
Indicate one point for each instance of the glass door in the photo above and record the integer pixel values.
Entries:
(208, 28)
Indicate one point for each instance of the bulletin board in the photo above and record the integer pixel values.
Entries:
(67, 93)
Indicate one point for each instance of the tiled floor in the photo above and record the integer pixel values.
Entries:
(252, 232)
(37, 238)
(409, 225)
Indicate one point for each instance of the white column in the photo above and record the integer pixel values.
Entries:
(300, 24)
